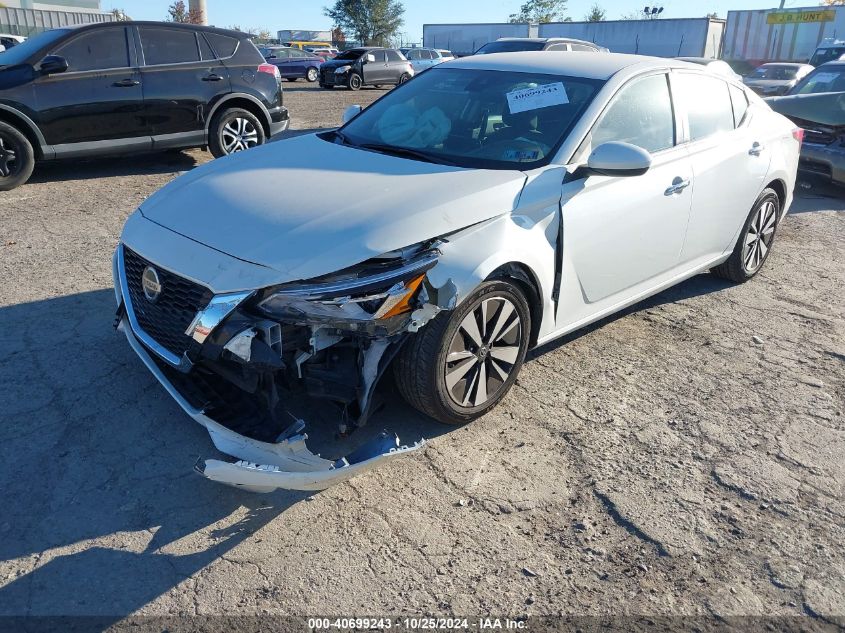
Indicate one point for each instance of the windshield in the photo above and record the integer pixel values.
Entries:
(786, 73)
(509, 47)
(824, 55)
(820, 80)
(22, 52)
(475, 118)
(350, 55)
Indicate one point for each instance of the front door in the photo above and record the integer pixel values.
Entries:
(623, 234)
(729, 161)
(98, 99)
(179, 82)
(376, 72)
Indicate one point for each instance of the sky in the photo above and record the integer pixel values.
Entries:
(308, 14)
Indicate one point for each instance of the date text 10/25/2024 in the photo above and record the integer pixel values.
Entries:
(482, 624)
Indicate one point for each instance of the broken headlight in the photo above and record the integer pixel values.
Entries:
(376, 290)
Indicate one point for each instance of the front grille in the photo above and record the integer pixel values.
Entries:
(166, 319)
(327, 76)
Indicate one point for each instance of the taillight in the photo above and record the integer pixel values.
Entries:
(798, 135)
(270, 69)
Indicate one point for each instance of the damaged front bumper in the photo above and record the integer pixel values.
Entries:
(266, 466)
(330, 340)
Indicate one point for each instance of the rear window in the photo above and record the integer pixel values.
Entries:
(223, 45)
(509, 47)
(100, 49)
(168, 46)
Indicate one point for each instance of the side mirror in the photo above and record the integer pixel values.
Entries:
(53, 65)
(369, 58)
(350, 113)
(2, 48)
(619, 159)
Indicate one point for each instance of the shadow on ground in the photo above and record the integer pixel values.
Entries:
(92, 447)
(109, 167)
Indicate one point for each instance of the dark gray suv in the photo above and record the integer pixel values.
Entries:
(366, 66)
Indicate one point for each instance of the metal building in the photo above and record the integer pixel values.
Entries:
(18, 21)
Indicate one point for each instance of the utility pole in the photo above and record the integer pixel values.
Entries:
(198, 6)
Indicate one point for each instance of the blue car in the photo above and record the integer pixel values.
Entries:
(293, 63)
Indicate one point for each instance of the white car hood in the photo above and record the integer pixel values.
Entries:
(306, 207)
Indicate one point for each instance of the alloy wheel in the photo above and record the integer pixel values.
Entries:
(483, 352)
(238, 135)
(311, 75)
(759, 237)
(8, 158)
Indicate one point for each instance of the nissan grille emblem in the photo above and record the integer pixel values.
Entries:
(151, 284)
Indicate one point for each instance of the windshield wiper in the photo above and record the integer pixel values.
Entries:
(405, 151)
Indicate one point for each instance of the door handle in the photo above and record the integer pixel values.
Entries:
(756, 149)
(678, 185)
(126, 83)
(212, 77)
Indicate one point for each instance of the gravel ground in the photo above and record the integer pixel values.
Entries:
(685, 457)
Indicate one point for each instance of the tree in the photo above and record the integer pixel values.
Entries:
(120, 15)
(371, 22)
(540, 11)
(338, 37)
(714, 15)
(596, 14)
(642, 15)
(831, 3)
(178, 12)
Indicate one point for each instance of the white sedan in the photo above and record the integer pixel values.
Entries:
(491, 205)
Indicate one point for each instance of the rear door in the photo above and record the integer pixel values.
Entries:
(99, 98)
(181, 76)
(397, 65)
(729, 158)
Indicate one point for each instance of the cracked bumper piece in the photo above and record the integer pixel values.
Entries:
(265, 466)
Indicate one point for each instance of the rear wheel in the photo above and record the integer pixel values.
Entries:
(404, 77)
(462, 363)
(755, 241)
(355, 82)
(233, 131)
(17, 158)
(311, 75)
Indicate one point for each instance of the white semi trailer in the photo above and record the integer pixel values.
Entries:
(781, 35)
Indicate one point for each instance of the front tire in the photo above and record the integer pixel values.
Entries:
(354, 82)
(755, 240)
(462, 363)
(17, 157)
(234, 130)
(403, 78)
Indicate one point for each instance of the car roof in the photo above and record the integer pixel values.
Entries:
(543, 40)
(175, 25)
(699, 60)
(583, 64)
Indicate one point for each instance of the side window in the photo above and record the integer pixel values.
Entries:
(558, 47)
(223, 45)
(413, 54)
(100, 49)
(739, 101)
(708, 103)
(583, 47)
(640, 114)
(393, 56)
(205, 49)
(426, 54)
(168, 46)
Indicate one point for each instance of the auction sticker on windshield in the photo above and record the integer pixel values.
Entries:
(534, 98)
